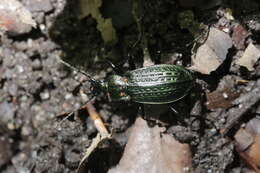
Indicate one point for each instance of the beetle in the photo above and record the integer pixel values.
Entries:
(157, 84)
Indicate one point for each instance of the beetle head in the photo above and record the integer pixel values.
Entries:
(97, 86)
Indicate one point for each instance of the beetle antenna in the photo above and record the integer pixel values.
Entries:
(77, 70)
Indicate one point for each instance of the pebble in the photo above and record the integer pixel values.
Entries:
(45, 95)
(5, 151)
(7, 111)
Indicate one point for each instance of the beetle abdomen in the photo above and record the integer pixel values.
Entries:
(159, 84)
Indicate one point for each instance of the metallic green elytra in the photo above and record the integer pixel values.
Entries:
(158, 84)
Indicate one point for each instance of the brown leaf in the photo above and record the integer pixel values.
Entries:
(254, 151)
(248, 144)
(239, 36)
(221, 99)
(149, 151)
(244, 139)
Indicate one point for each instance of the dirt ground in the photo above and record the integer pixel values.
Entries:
(35, 88)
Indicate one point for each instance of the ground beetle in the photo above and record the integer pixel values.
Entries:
(157, 84)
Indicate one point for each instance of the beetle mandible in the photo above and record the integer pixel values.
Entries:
(157, 84)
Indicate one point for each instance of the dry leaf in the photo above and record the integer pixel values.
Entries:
(212, 53)
(149, 151)
(254, 151)
(105, 26)
(249, 58)
(229, 14)
(253, 126)
(221, 99)
(239, 36)
(244, 139)
(248, 144)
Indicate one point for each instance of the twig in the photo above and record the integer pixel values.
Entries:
(97, 119)
(95, 142)
(245, 103)
(101, 136)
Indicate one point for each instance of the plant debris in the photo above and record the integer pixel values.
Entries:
(101, 136)
(248, 144)
(250, 57)
(244, 103)
(221, 99)
(239, 36)
(105, 26)
(150, 151)
(212, 53)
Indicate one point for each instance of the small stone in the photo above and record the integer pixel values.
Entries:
(20, 69)
(42, 27)
(12, 89)
(225, 95)
(19, 158)
(39, 5)
(45, 95)
(68, 96)
(72, 158)
(11, 126)
(7, 111)
(5, 151)
(36, 64)
(26, 131)
(15, 17)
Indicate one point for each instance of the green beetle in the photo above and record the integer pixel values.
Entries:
(157, 84)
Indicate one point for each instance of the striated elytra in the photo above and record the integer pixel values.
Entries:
(158, 84)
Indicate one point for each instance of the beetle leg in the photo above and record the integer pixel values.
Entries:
(125, 98)
(179, 117)
(174, 110)
(141, 110)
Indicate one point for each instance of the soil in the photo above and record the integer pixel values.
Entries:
(36, 89)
